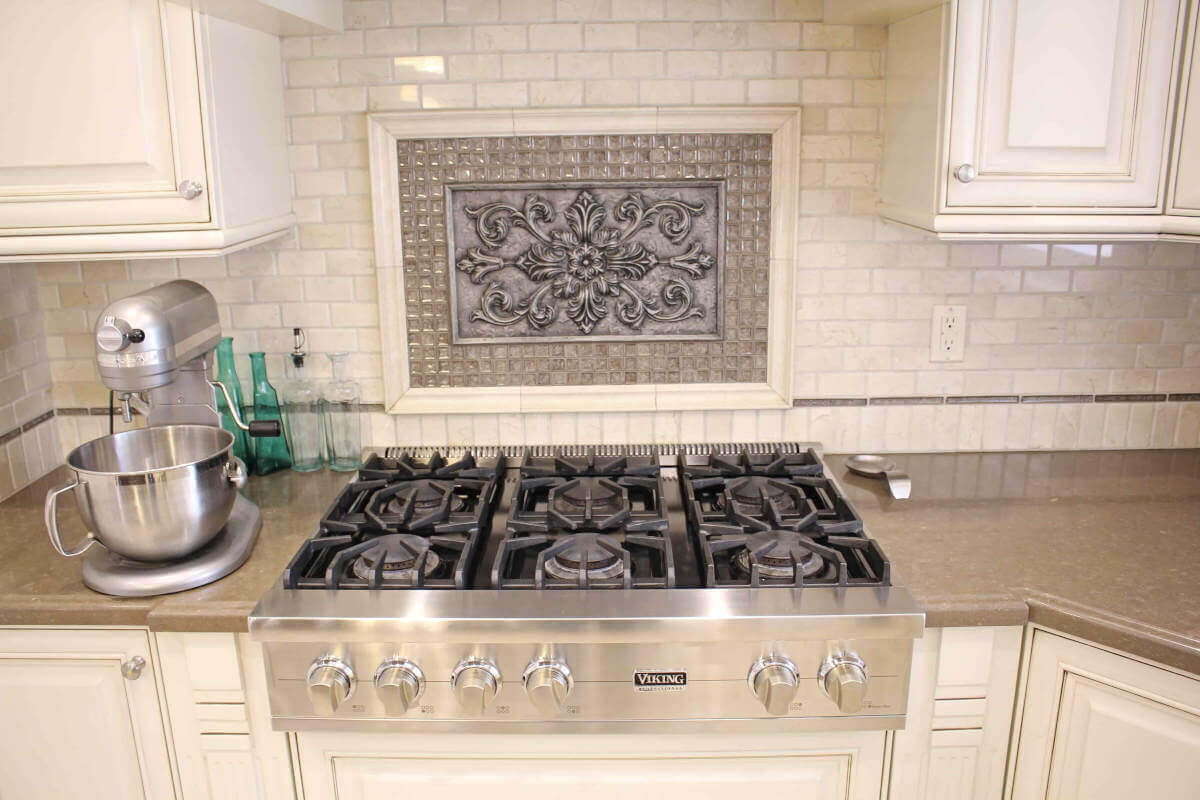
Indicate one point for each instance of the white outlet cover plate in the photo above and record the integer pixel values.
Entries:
(948, 333)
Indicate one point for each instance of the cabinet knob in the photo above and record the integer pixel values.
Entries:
(131, 670)
(190, 190)
(965, 173)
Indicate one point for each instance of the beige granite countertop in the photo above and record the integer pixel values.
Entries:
(1102, 545)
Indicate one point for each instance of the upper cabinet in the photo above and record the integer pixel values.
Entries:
(138, 127)
(1007, 118)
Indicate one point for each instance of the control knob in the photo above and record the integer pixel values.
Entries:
(476, 682)
(398, 683)
(548, 682)
(773, 680)
(843, 677)
(330, 683)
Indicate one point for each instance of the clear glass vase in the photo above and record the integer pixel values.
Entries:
(341, 410)
(302, 420)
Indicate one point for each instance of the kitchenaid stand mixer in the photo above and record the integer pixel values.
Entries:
(155, 350)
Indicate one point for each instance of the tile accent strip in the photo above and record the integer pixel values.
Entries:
(1131, 398)
(981, 399)
(25, 427)
(906, 401)
(1056, 398)
(825, 402)
(1184, 397)
(990, 399)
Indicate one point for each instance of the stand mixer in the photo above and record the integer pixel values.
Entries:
(155, 349)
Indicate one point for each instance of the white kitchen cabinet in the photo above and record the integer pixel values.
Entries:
(1045, 119)
(1183, 190)
(138, 127)
(1096, 725)
(215, 686)
(846, 766)
(959, 715)
(73, 725)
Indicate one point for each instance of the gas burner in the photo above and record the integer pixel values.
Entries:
(543, 463)
(779, 554)
(598, 493)
(597, 553)
(588, 503)
(756, 494)
(422, 494)
(395, 556)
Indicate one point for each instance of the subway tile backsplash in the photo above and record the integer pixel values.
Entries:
(1075, 325)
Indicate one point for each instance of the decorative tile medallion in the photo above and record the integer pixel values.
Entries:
(594, 260)
(585, 260)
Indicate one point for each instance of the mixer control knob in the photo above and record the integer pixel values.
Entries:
(548, 682)
(330, 683)
(398, 682)
(476, 682)
(773, 681)
(844, 678)
(112, 335)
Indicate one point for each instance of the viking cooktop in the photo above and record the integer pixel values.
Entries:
(589, 587)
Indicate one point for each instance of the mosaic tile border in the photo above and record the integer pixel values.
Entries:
(995, 399)
(742, 161)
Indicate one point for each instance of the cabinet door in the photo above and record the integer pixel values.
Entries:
(102, 115)
(1062, 104)
(1184, 193)
(1099, 726)
(591, 767)
(72, 725)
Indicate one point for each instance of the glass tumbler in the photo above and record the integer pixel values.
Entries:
(340, 401)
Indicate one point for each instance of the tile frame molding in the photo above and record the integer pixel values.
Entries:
(782, 122)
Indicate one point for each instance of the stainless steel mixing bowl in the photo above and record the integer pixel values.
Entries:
(153, 494)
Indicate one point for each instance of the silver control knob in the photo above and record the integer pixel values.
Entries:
(844, 678)
(548, 682)
(330, 683)
(398, 683)
(476, 682)
(774, 681)
(112, 335)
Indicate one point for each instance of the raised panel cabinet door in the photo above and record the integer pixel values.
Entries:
(1184, 178)
(589, 767)
(102, 115)
(1100, 726)
(1061, 104)
(72, 725)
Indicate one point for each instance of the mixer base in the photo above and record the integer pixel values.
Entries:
(108, 573)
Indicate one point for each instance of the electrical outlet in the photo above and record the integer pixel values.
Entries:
(949, 333)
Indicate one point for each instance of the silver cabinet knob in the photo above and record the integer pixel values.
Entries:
(398, 682)
(774, 682)
(330, 683)
(131, 670)
(190, 190)
(844, 678)
(965, 173)
(475, 682)
(548, 682)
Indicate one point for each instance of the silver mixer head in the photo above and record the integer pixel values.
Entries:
(143, 339)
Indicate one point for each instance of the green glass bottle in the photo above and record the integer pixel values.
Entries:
(227, 375)
(270, 452)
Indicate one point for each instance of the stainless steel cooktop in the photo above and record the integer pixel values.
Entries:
(589, 588)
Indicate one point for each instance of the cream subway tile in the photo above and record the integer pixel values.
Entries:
(693, 9)
(719, 91)
(526, 10)
(552, 36)
(307, 209)
(411, 12)
(511, 94)
(1187, 432)
(774, 91)
(610, 92)
(995, 280)
(584, 9)
(1047, 280)
(1141, 425)
(1116, 426)
(1097, 280)
(827, 91)
(390, 41)
(819, 36)
(1166, 420)
(446, 39)
(870, 93)
(666, 427)
(774, 35)
(1172, 254)
(664, 35)
(583, 65)
(528, 65)
(448, 95)
(366, 70)
(556, 93)
(856, 64)
(366, 14)
(852, 119)
(341, 100)
(800, 63)
(316, 129)
(746, 63)
(1145, 280)
(693, 63)
(387, 98)
(638, 65)
(472, 10)
(1073, 255)
(472, 66)
(97, 271)
(349, 43)
(610, 36)
(320, 182)
(312, 72)
(664, 92)
(500, 37)
(1023, 255)
(298, 101)
(293, 47)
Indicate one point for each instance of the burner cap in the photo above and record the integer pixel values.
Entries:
(426, 494)
(587, 551)
(774, 552)
(755, 490)
(398, 552)
(603, 493)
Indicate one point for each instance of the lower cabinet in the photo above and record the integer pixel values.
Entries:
(846, 766)
(1096, 725)
(75, 723)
